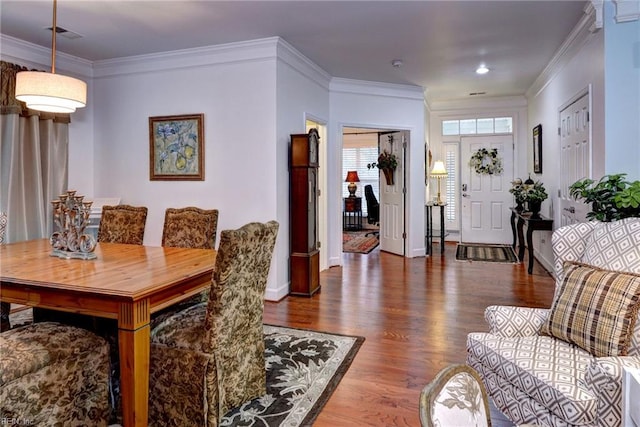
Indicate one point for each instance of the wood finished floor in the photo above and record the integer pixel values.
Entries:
(415, 315)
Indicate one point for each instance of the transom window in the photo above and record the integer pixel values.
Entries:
(481, 126)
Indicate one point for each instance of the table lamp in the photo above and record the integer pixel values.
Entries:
(439, 172)
(352, 178)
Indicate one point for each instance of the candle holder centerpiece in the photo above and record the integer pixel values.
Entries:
(71, 216)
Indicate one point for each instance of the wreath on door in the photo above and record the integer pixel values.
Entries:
(486, 162)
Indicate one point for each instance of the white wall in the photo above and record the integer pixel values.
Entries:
(578, 66)
(384, 106)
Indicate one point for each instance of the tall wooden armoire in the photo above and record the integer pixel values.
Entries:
(305, 256)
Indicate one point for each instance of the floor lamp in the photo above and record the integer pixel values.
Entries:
(439, 173)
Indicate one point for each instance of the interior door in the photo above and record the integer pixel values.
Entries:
(486, 200)
(392, 196)
(575, 158)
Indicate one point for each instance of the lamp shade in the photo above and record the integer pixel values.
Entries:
(352, 176)
(50, 92)
(438, 170)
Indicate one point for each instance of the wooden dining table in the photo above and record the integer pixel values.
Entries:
(124, 282)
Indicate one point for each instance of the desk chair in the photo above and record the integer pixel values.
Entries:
(373, 209)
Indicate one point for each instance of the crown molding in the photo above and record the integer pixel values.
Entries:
(485, 103)
(289, 55)
(584, 30)
(363, 87)
(37, 57)
(627, 10)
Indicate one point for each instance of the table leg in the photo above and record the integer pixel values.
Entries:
(513, 229)
(530, 246)
(520, 239)
(429, 231)
(134, 348)
(441, 229)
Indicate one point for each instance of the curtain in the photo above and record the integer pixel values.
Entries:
(34, 163)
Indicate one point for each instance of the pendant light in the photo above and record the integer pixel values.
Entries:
(51, 92)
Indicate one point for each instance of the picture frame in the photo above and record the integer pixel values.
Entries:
(537, 149)
(176, 148)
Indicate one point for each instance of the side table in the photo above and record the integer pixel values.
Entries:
(352, 213)
(428, 208)
(533, 224)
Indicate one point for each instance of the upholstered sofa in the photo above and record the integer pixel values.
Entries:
(563, 366)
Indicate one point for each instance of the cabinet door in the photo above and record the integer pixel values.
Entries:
(312, 212)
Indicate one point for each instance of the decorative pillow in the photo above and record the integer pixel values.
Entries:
(595, 309)
(615, 246)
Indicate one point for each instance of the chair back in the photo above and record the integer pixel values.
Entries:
(122, 224)
(3, 226)
(456, 397)
(373, 207)
(233, 323)
(190, 227)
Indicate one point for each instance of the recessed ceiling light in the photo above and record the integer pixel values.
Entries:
(482, 69)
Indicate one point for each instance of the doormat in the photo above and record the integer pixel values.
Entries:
(486, 253)
(357, 242)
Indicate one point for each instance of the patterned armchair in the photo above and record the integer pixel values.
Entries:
(53, 375)
(456, 397)
(122, 224)
(5, 307)
(563, 366)
(209, 358)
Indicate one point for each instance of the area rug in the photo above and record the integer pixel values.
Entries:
(303, 369)
(357, 242)
(486, 253)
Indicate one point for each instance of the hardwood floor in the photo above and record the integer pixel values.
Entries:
(415, 315)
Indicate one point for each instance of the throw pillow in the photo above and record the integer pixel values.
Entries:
(615, 246)
(595, 309)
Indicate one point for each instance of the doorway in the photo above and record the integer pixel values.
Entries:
(485, 198)
(360, 153)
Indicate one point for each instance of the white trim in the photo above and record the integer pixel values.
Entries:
(474, 104)
(292, 57)
(276, 295)
(627, 10)
(363, 87)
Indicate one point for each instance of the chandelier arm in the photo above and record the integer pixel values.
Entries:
(53, 38)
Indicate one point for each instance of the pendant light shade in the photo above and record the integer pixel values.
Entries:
(51, 92)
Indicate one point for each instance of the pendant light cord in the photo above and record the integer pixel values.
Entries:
(53, 38)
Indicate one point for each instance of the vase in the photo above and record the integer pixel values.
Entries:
(519, 206)
(534, 207)
(388, 174)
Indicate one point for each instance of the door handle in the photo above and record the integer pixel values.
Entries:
(465, 195)
(570, 210)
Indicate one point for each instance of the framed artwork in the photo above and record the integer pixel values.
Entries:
(176, 148)
(428, 159)
(537, 149)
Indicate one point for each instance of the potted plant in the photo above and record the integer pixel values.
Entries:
(517, 189)
(535, 194)
(612, 197)
(387, 162)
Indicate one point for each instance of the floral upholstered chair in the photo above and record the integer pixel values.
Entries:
(209, 358)
(54, 375)
(563, 366)
(189, 227)
(456, 397)
(5, 307)
(122, 224)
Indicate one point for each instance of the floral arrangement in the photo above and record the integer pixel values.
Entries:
(386, 160)
(486, 162)
(529, 191)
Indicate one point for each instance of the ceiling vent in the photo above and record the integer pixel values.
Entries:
(477, 93)
(65, 33)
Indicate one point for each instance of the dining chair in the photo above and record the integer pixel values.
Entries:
(53, 375)
(5, 307)
(209, 358)
(188, 227)
(122, 224)
(456, 397)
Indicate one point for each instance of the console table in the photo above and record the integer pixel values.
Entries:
(429, 227)
(352, 213)
(533, 224)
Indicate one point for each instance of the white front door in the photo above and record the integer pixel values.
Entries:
(392, 195)
(575, 155)
(485, 198)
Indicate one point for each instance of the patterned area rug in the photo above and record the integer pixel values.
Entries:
(486, 253)
(357, 242)
(303, 369)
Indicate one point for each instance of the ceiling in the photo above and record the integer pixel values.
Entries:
(440, 43)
